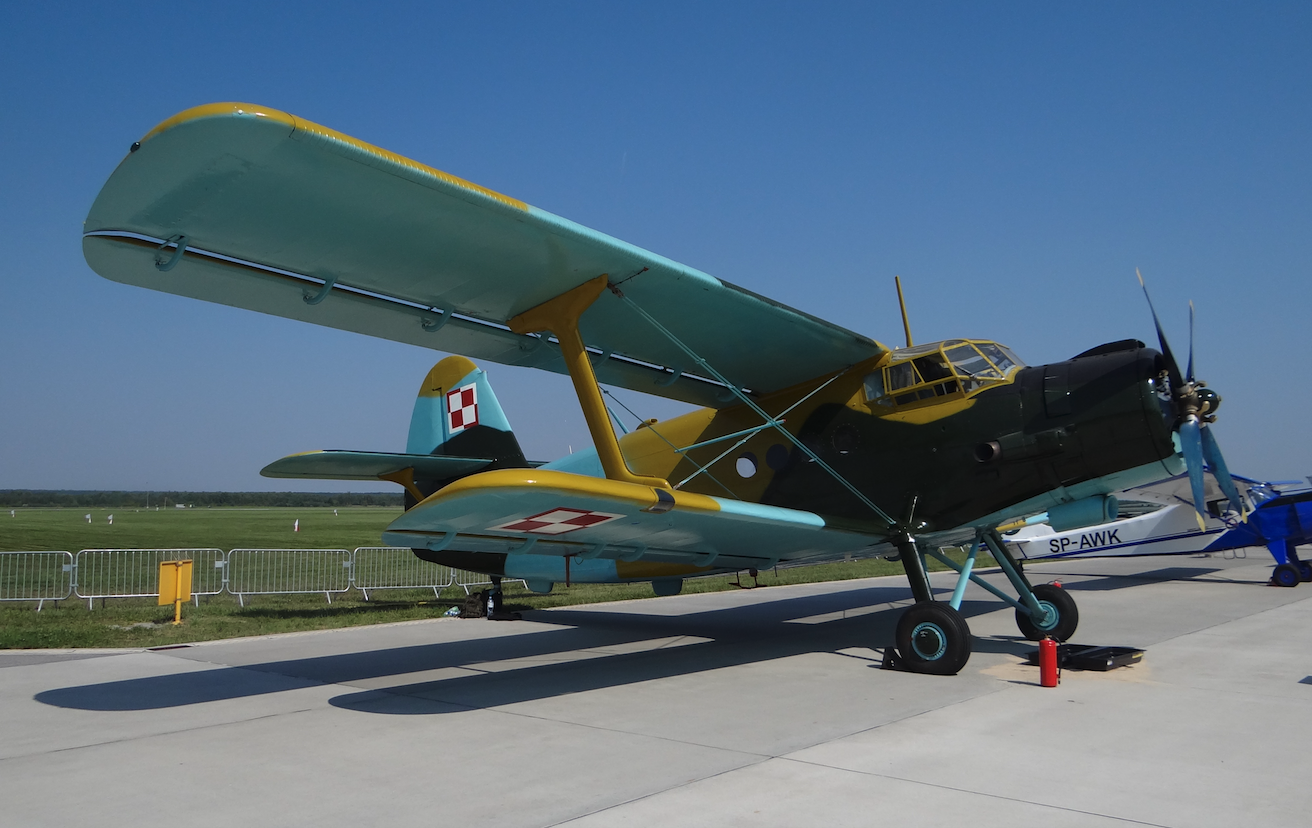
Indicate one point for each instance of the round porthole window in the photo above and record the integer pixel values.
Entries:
(746, 465)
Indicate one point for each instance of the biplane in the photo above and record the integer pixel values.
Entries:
(812, 442)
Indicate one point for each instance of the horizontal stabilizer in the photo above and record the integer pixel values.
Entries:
(370, 465)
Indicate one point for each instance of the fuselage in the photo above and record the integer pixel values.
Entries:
(964, 448)
(959, 428)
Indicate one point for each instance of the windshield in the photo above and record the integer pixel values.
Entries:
(940, 369)
(970, 362)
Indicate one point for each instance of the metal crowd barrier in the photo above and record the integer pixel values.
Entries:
(36, 576)
(397, 567)
(288, 572)
(465, 580)
(134, 573)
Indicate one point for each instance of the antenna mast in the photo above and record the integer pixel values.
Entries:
(906, 323)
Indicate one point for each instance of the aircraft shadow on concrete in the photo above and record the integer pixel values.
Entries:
(1108, 582)
(584, 651)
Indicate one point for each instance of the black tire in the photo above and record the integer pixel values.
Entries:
(1304, 571)
(1286, 575)
(1062, 620)
(933, 638)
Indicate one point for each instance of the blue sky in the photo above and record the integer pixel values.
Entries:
(1014, 162)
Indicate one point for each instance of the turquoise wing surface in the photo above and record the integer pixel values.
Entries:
(369, 465)
(286, 217)
(552, 513)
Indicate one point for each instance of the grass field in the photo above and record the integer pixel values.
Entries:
(132, 622)
(68, 529)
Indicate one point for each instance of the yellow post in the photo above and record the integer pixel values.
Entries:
(561, 316)
(174, 586)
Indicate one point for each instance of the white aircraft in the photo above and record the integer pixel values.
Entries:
(1161, 519)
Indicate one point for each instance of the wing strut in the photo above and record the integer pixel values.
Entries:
(560, 316)
(775, 423)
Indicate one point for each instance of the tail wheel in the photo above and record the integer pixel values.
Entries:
(933, 638)
(1286, 575)
(1061, 616)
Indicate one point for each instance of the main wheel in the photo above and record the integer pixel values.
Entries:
(1060, 619)
(933, 638)
(1286, 575)
(1304, 571)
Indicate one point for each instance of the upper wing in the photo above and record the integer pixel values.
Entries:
(290, 218)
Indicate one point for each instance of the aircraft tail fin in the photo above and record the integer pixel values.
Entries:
(457, 415)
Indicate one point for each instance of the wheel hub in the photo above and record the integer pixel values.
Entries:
(929, 641)
(1050, 616)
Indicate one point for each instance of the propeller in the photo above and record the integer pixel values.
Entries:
(1195, 407)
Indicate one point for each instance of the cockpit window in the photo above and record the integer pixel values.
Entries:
(1001, 357)
(932, 367)
(970, 362)
(940, 369)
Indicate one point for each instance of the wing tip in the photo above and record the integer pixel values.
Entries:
(222, 109)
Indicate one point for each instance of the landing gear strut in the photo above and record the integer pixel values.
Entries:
(933, 637)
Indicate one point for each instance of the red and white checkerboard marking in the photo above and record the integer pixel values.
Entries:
(461, 408)
(558, 521)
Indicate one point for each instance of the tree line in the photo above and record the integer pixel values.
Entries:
(10, 498)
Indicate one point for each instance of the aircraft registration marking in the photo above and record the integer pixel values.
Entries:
(558, 521)
(462, 408)
(1088, 540)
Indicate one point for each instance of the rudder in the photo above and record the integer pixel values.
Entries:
(457, 414)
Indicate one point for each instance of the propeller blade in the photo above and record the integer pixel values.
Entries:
(1191, 444)
(1172, 367)
(1189, 372)
(1212, 453)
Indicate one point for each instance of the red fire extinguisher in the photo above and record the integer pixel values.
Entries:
(1049, 674)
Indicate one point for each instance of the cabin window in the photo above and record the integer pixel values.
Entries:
(902, 375)
(874, 385)
(745, 465)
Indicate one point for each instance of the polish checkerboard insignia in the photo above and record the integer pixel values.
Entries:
(462, 408)
(558, 521)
